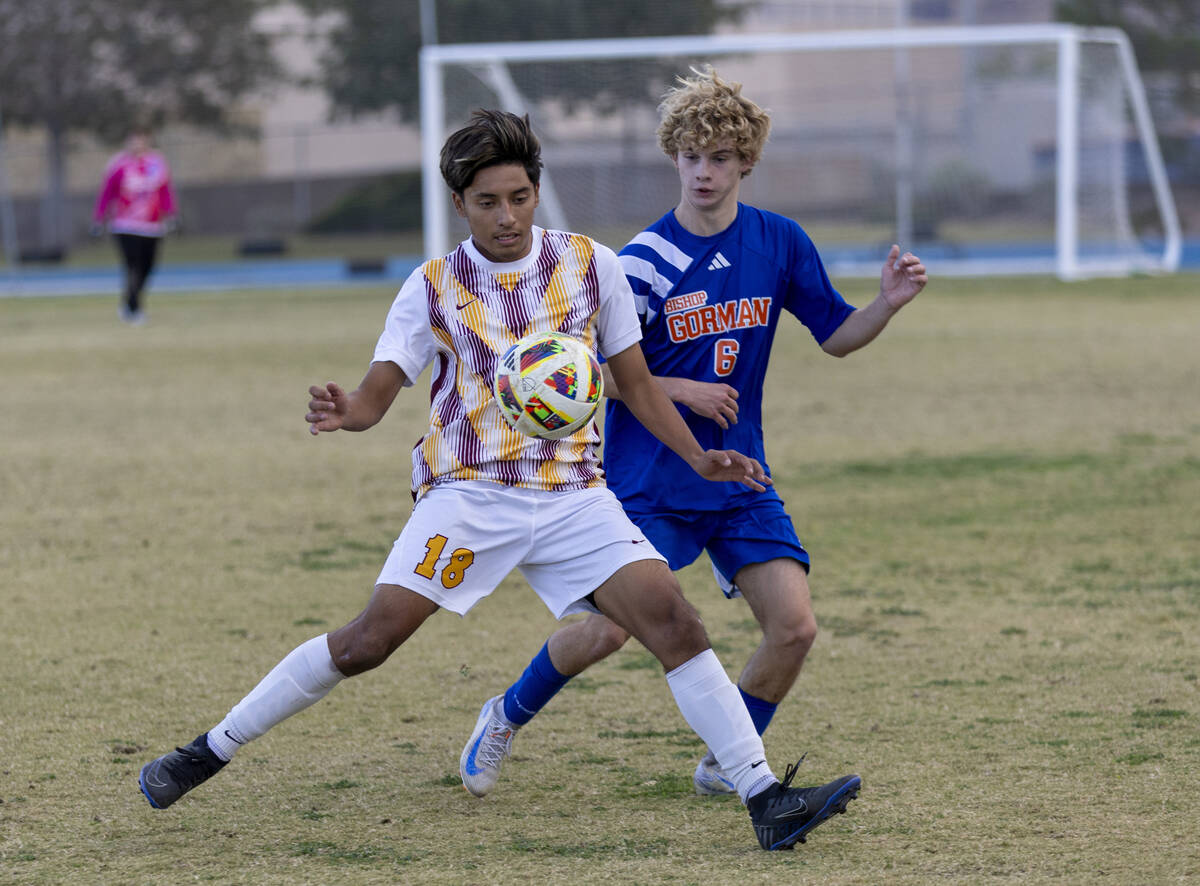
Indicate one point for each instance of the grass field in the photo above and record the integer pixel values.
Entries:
(1002, 500)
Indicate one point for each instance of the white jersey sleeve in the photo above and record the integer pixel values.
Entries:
(617, 323)
(407, 339)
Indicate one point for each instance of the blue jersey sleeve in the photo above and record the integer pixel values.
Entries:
(809, 295)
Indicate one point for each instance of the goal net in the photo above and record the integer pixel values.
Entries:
(987, 150)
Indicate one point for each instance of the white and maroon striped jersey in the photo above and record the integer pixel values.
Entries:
(461, 312)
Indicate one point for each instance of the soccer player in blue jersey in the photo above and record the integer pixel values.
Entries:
(711, 279)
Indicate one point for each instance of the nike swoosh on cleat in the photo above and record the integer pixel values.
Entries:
(471, 767)
(154, 782)
(793, 813)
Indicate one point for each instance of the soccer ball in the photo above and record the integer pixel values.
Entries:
(548, 385)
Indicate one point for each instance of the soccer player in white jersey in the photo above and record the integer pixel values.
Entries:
(461, 312)
(711, 279)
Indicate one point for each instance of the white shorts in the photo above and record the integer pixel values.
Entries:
(464, 537)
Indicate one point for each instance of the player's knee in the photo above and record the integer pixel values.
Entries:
(373, 651)
(806, 634)
(682, 626)
(607, 638)
(360, 646)
(670, 627)
(794, 639)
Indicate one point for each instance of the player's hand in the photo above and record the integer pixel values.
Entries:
(903, 276)
(710, 400)
(327, 408)
(729, 465)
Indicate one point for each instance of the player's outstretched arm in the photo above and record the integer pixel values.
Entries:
(645, 397)
(708, 399)
(902, 278)
(332, 409)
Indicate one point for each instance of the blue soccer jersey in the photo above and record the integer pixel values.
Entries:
(709, 308)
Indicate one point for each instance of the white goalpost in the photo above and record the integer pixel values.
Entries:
(990, 149)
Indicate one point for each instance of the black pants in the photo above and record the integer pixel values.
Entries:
(139, 254)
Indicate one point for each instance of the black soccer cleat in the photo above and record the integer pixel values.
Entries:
(172, 775)
(784, 815)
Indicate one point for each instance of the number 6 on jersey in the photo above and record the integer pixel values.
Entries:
(725, 353)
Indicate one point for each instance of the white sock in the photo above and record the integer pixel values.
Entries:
(304, 677)
(714, 709)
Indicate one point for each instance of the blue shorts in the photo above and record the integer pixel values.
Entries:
(758, 532)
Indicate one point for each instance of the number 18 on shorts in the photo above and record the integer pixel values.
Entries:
(463, 538)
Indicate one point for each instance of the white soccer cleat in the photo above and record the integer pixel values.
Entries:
(486, 750)
(710, 779)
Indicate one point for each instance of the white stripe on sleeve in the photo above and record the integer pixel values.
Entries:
(670, 253)
(640, 269)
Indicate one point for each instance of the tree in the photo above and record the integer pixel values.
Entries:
(101, 66)
(1165, 35)
(371, 60)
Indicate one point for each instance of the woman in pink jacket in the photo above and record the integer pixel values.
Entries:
(137, 203)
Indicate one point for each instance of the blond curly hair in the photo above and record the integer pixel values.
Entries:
(704, 109)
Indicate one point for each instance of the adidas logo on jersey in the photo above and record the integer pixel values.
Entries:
(719, 261)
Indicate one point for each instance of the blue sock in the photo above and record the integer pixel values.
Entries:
(540, 682)
(761, 711)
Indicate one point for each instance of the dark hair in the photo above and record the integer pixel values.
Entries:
(491, 138)
(142, 122)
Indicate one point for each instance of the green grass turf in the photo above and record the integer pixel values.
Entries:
(1002, 500)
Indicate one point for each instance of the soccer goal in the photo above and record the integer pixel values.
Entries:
(989, 149)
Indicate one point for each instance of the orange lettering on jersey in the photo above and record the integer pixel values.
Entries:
(695, 322)
(683, 302)
(727, 314)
